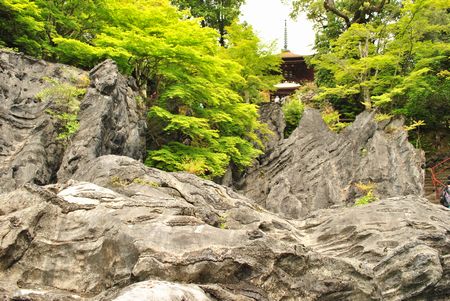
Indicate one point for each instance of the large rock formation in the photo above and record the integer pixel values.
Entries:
(29, 150)
(316, 168)
(110, 120)
(178, 237)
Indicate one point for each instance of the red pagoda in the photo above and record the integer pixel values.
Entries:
(295, 71)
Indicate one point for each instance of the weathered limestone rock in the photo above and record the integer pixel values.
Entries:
(110, 122)
(315, 168)
(119, 222)
(29, 151)
(272, 115)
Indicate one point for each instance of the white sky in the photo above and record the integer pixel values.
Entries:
(267, 18)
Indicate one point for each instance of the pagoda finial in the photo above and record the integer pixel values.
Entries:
(285, 36)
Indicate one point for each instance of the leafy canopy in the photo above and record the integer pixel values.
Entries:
(384, 54)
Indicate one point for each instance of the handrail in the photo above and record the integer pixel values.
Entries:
(437, 183)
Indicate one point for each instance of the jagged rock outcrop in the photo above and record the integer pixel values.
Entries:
(272, 115)
(29, 150)
(121, 230)
(110, 120)
(316, 168)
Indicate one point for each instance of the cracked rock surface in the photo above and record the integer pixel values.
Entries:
(110, 120)
(29, 150)
(316, 168)
(120, 230)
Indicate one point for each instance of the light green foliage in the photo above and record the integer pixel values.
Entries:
(259, 65)
(332, 118)
(200, 96)
(414, 125)
(379, 117)
(64, 102)
(293, 110)
(175, 156)
(392, 59)
(143, 182)
(122, 182)
(365, 200)
(223, 222)
(368, 190)
(21, 25)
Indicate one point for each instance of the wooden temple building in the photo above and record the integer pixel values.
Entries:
(295, 72)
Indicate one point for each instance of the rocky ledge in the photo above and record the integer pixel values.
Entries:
(316, 168)
(122, 231)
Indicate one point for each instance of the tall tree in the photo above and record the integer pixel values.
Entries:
(199, 121)
(393, 66)
(345, 12)
(217, 14)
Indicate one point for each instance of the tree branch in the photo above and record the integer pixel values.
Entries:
(331, 6)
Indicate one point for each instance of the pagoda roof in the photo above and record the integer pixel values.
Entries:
(289, 54)
(287, 85)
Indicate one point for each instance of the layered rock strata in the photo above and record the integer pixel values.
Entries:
(111, 121)
(316, 168)
(120, 227)
(29, 150)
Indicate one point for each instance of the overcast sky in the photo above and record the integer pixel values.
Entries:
(267, 18)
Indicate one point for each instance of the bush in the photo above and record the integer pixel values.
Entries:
(332, 118)
(293, 110)
(64, 103)
(368, 190)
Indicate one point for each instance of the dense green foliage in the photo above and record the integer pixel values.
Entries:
(216, 14)
(200, 96)
(293, 110)
(21, 26)
(385, 54)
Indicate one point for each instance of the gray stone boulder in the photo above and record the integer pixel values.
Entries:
(120, 229)
(29, 150)
(316, 168)
(111, 121)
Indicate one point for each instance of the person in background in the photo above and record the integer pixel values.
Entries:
(445, 195)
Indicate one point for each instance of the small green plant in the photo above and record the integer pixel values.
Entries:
(363, 152)
(140, 102)
(82, 81)
(120, 182)
(64, 103)
(145, 182)
(332, 118)
(69, 124)
(368, 190)
(223, 222)
(414, 125)
(382, 117)
(293, 110)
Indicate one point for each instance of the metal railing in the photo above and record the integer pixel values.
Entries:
(436, 170)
